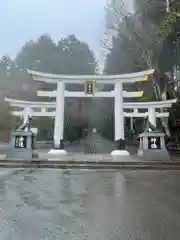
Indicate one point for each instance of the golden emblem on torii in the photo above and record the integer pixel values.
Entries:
(89, 87)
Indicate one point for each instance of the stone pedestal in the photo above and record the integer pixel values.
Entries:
(152, 146)
(22, 145)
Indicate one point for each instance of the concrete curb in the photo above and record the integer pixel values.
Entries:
(132, 166)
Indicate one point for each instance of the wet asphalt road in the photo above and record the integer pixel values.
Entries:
(89, 205)
(53, 204)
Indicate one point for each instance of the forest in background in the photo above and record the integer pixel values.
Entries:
(147, 38)
(68, 56)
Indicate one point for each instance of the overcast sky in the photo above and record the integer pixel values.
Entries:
(22, 20)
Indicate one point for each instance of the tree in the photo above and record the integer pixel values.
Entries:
(167, 22)
(146, 38)
(37, 54)
(5, 123)
(142, 41)
(68, 56)
(71, 48)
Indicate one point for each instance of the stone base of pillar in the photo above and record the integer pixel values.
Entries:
(58, 150)
(120, 153)
(120, 149)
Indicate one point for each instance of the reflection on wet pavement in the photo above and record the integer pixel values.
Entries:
(56, 204)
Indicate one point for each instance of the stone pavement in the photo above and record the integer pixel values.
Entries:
(102, 145)
(94, 147)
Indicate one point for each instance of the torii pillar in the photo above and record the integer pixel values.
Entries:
(119, 122)
(58, 148)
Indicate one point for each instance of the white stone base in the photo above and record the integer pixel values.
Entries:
(57, 152)
(118, 153)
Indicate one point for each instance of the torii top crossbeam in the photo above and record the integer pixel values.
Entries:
(80, 79)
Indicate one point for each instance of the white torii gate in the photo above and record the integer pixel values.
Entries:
(116, 80)
(48, 109)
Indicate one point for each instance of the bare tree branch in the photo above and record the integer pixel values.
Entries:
(147, 40)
